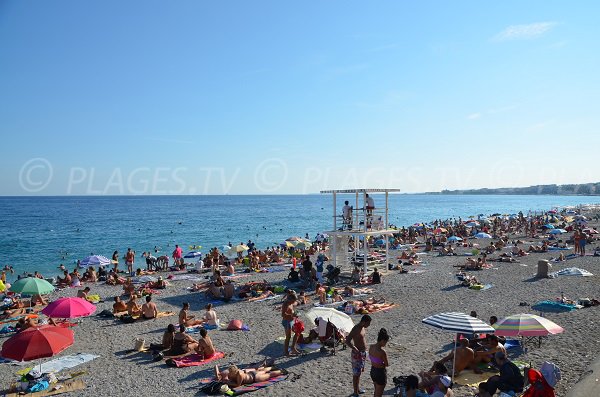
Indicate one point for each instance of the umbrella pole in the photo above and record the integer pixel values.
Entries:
(454, 357)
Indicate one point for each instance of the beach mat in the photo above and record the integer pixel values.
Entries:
(470, 378)
(250, 388)
(194, 360)
(303, 347)
(59, 364)
(67, 387)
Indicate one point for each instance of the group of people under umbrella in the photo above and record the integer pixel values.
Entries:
(519, 325)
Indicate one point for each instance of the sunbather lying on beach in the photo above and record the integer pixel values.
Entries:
(236, 377)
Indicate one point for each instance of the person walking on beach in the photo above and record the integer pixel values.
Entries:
(129, 260)
(358, 345)
(287, 320)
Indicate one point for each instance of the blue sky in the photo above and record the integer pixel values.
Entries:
(195, 97)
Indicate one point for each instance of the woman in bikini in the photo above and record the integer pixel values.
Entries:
(379, 362)
(236, 377)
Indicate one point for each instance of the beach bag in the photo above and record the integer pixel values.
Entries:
(171, 362)
(139, 344)
(551, 373)
(234, 325)
(127, 319)
(214, 388)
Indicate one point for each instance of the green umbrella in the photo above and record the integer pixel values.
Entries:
(32, 286)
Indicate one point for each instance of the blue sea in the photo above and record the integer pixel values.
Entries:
(39, 233)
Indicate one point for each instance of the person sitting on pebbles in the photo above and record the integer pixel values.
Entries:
(133, 308)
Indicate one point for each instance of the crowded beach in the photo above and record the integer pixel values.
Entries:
(495, 304)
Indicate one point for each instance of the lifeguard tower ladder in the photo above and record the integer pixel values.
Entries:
(362, 236)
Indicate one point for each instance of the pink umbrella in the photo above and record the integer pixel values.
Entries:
(69, 308)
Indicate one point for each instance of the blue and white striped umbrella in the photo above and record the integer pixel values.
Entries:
(193, 254)
(459, 323)
(95, 260)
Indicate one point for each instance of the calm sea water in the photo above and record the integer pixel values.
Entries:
(39, 233)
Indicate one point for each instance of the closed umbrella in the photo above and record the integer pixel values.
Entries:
(69, 308)
(341, 320)
(37, 342)
(32, 286)
(459, 323)
(94, 260)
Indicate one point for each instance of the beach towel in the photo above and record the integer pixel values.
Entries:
(252, 387)
(17, 318)
(193, 360)
(55, 389)
(571, 271)
(180, 277)
(470, 378)
(62, 363)
(553, 306)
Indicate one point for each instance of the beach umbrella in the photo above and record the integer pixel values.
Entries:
(240, 248)
(94, 260)
(557, 231)
(303, 245)
(454, 238)
(440, 230)
(2, 286)
(525, 324)
(69, 308)
(32, 286)
(548, 226)
(37, 342)
(590, 231)
(482, 235)
(295, 238)
(341, 320)
(192, 254)
(472, 224)
(458, 323)
(288, 244)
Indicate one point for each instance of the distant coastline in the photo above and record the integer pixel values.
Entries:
(583, 189)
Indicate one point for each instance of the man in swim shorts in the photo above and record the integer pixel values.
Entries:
(149, 309)
(358, 345)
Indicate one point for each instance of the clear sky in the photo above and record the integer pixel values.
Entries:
(246, 97)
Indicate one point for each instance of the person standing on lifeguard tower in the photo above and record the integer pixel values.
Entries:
(347, 215)
(370, 204)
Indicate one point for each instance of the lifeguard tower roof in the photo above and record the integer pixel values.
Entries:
(342, 191)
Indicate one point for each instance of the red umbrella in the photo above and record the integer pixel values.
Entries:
(69, 308)
(37, 342)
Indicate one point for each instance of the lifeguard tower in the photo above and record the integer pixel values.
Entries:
(360, 234)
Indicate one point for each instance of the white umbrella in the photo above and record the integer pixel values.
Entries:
(482, 235)
(341, 320)
(459, 323)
